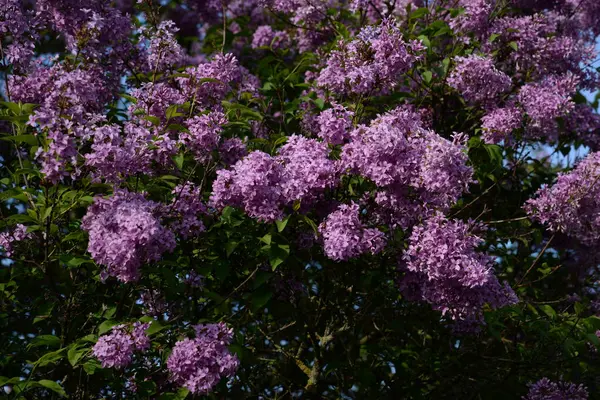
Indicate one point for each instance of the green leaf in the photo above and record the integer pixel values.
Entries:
(495, 153)
(320, 103)
(45, 340)
(44, 311)
(419, 12)
(266, 239)
(261, 297)
(427, 75)
(50, 358)
(593, 339)
(91, 366)
(155, 327)
(173, 111)
(153, 120)
(14, 107)
(230, 247)
(75, 353)
(514, 46)
(493, 37)
(106, 326)
(178, 159)
(282, 224)
(27, 139)
(180, 395)
(425, 40)
(548, 310)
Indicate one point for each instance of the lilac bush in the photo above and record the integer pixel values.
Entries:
(342, 198)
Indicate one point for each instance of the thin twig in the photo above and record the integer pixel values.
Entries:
(536, 260)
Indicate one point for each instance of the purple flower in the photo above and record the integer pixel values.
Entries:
(254, 184)
(141, 341)
(163, 51)
(572, 204)
(7, 239)
(545, 389)
(307, 172)
(204, 134)
(345, 236)
(499, 124)
(187, 209)
(335, 124)
(549, 99)
(478, 80)
(265, 36)
(199, 364)
(232, 150)
(115, 350)
(368, 66)
(444, 269)
(125, 232)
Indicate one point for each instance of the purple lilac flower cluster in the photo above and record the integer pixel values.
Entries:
(572, 204)
(545, 389)
(335, 124)
(200, 363)
(187, 208)
(126, 232)
(374, 61)
(346, 237)
(263, 185)
(7, 239)
(116, 349)
(444, 269)
(265, 36)
(410, 164)
(478, 80)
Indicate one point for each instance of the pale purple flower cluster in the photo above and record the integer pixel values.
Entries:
(7, 238)
(114, 156)
(253, 184)
(154, 98)
(194, 280)
(374, 61)
(544, 44)
(572, 204)
(443, 173)
(307, 172)
(210, 82)
(73, 93)
(445, 250)
(203, 134)
(498, 124)
(15, 22)
(335, 124)
(545, 389)
(116, 349)
(93, 29)
(163, 51)
(478, 80)
(444, 269)
(232, 150)
(153, 303)
(399, 155)
(265, 36)
(187, 209)
(262, 185)
(126, 232)
(199, 364)
(345, 236)
(549, 99)
(476, 17)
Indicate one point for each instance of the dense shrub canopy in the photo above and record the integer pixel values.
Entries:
(320, 199)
